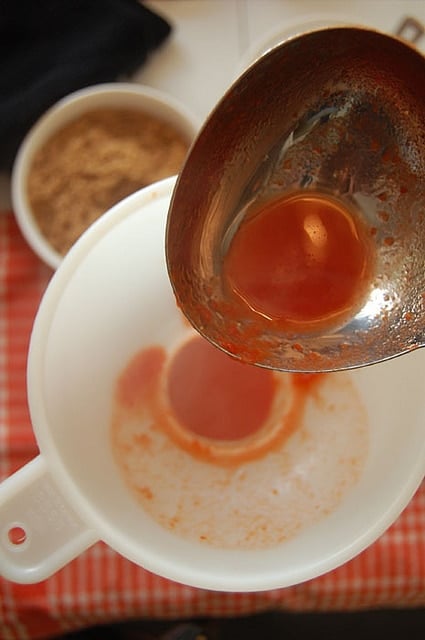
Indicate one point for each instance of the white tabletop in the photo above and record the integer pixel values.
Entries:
(211, 40)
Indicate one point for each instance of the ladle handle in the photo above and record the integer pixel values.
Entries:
(39, 530)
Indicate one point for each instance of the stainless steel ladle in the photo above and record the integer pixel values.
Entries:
(340, 109)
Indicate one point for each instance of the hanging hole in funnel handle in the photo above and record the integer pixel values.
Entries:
(17, 535)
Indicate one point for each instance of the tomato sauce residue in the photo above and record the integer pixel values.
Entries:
(137, 382)
(302, 261)
(231, 455)
(214, 407)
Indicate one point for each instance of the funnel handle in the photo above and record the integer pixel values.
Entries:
(39, 531)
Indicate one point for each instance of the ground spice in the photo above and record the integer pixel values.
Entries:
(94, 162)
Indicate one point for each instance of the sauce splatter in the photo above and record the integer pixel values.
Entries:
(137, 382)
(302, 261)
(249, 476)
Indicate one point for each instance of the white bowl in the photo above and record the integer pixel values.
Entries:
(120, 95)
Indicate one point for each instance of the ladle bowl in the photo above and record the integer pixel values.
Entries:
(341, 111)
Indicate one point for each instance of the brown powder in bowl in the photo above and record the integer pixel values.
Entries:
(94, 162)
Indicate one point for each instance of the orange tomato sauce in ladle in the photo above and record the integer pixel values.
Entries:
(302, 261)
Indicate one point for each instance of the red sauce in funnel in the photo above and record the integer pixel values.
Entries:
(215, 396)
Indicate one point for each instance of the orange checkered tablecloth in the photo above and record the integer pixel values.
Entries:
(100, 586)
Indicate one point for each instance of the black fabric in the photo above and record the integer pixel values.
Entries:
(49, 48)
